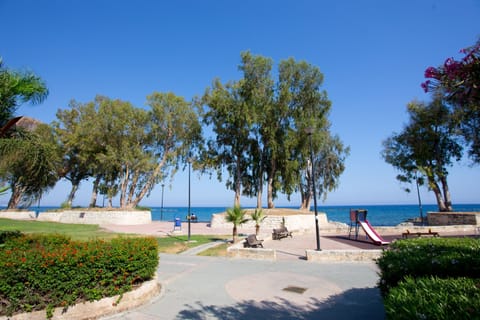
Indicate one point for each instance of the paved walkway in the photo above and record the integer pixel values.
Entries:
(196, 287)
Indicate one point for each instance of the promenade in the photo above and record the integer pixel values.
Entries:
(195, 287)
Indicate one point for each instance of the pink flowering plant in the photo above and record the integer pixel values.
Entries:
(459, 80)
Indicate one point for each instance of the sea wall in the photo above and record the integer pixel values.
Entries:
(121, 217)
(453, 218)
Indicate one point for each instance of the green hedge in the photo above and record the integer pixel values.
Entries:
(441, 257)
(434, 298)
(43, 272)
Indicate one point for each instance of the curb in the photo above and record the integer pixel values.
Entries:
(96, 309)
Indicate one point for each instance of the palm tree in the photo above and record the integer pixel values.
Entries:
(258, 216)
(236, 216)
(17, 87)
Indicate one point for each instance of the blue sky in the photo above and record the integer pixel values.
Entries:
(372, 53)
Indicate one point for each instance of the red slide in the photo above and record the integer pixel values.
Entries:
(372, 234)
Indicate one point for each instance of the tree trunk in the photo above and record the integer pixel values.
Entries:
(259, 192)
(93, 200)
(234, 235)
(438, 194)
(257, 229)
(270, 203)
(238, 184)
(14, 198)
(446, 194)
(71, 195)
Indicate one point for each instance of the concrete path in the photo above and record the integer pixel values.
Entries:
(195, 287)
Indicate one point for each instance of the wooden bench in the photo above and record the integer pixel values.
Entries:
(280, 233)
(252, 242)
(407, 234)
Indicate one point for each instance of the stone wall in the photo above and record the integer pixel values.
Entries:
(121, 217)
(298, 222)
(453, 218)
(18, 215)
(343, 255)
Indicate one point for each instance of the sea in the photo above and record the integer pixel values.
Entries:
(378, 215)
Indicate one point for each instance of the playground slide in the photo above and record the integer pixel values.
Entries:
(372, 234)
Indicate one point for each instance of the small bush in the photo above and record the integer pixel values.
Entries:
(43, 272)
(434, 298)
(441, 257)
(5, 235)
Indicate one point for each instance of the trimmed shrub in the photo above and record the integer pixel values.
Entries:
(441, 257)
(43, 272)
(5, 235)
(434, 298)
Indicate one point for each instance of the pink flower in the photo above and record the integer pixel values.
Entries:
(430, 72)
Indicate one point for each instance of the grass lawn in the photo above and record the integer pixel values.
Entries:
(84, 232)
(177, 244)
(81, 232)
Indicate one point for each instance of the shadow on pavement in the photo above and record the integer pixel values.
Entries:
(358, 303)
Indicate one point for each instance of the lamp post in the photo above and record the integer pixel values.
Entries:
(161, 208)
(419, 199)
(312, 177)
(188, 213)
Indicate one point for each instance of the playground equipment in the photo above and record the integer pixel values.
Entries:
(358, 218)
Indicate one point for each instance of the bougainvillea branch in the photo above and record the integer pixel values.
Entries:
(458, 80)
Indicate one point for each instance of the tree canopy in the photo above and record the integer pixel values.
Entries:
(458, 82)
(17, 87)
(427, 146)
(259, 126)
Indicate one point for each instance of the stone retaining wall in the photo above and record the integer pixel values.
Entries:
(18, 215)
(99, 308)
(299, 222)
(252, 253)
(453, 218)
(343, 255)
(121, 217)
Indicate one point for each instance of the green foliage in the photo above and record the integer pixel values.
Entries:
(17, 87)
(441, 257)
(43, 272)
(434, 298)
(427, 146)
(127, 150)
(28, 162)
(258, 216)
(236, 216)
(7, 235)
(259, 127)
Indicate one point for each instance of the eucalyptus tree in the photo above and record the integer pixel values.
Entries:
(75, 131)
(306, 130)
(427, 146)
(329, 164)
(231, 120)
(17, 87)
(259, 126)
(257, 91)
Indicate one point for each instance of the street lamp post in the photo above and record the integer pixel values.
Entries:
(312, 176)
(419, 199)
(161, 209)
(188, 213)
